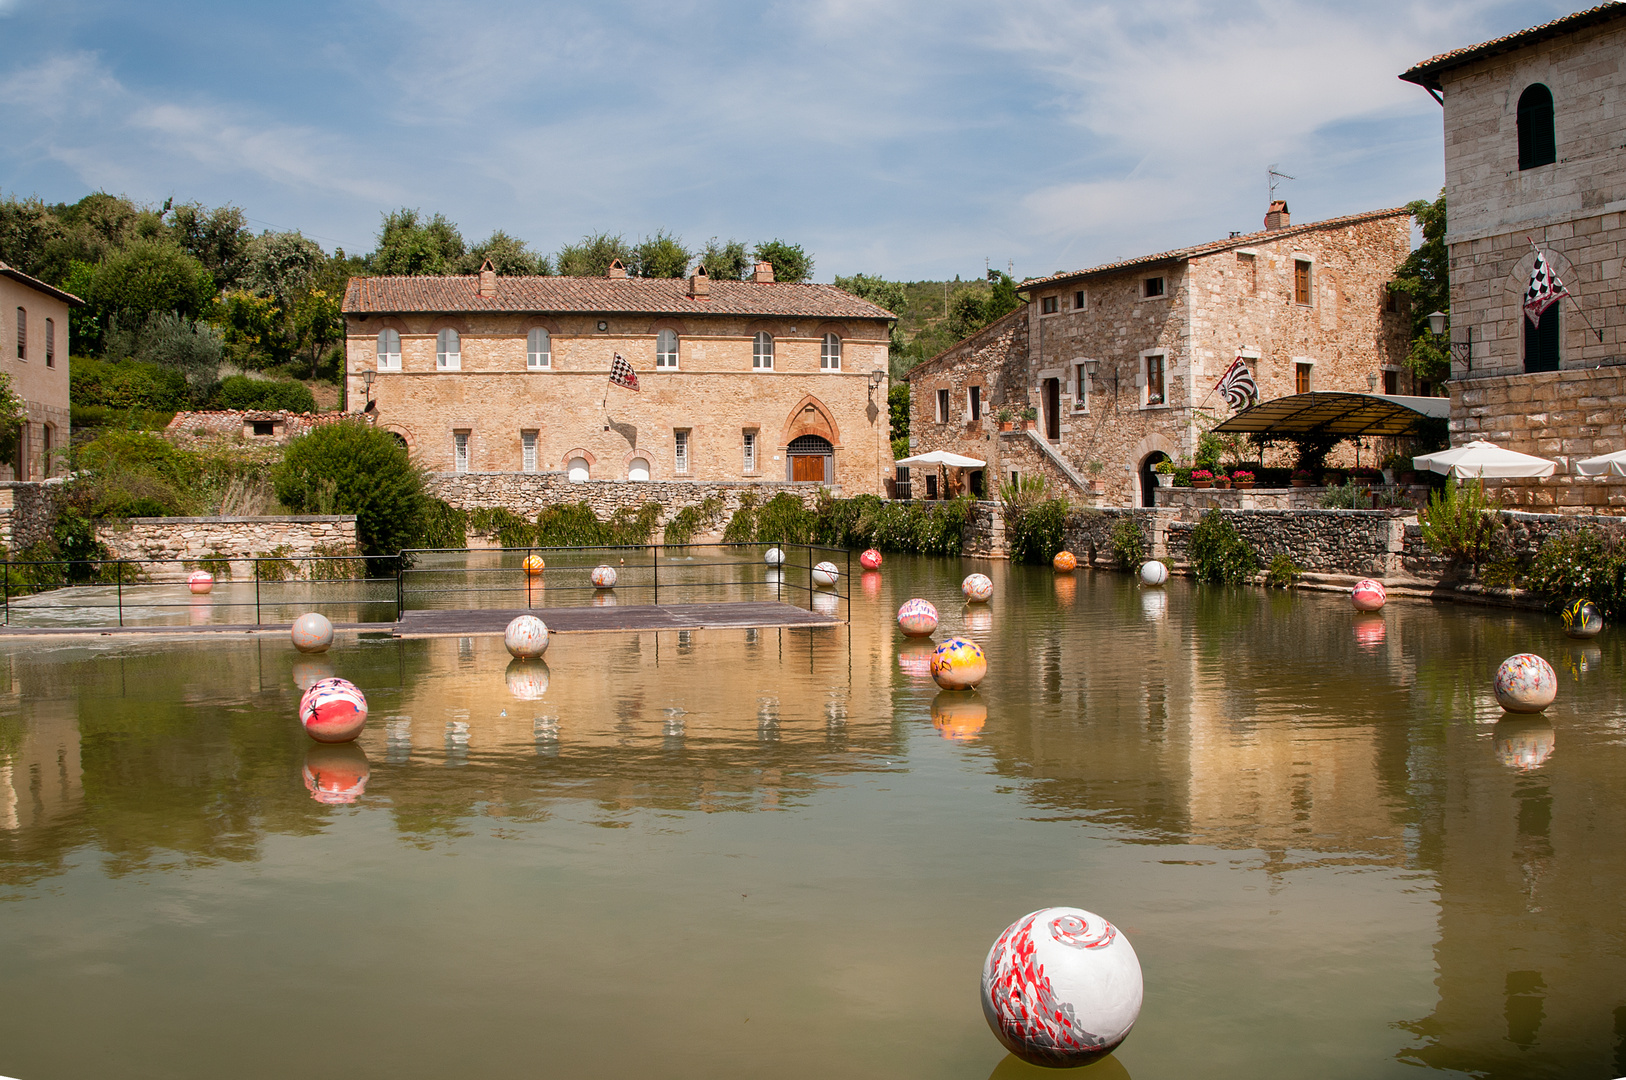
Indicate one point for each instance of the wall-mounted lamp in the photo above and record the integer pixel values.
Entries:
(876, 378)
(367, 378)
(1459, 350)
(1371, 382)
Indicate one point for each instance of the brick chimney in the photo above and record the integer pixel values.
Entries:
(617, 270)
(699, 285)
(1277, 216)
(488, 280)
(763, 272)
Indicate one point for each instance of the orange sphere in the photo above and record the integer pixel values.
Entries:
(533, 565)
(1064, 562)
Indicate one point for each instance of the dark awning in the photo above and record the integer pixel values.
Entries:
(1336, 414)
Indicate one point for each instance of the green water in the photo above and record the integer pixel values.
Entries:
(746, 854)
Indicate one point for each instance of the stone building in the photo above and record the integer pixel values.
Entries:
(738, 380)
(1120, 361)
(1533, 137)
(34, 344)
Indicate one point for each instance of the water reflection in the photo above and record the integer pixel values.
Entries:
(1154, 603)
(336, 773)
(1524, 742)
(958, 714)
(1370, 630)
(527, 679)
(1014, 1068)
(310, 669)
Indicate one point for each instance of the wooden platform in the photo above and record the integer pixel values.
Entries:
(590, 620)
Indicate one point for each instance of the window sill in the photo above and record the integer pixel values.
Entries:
(1154, 408)
(1154, 299)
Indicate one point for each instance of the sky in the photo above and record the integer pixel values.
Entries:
(912, 139)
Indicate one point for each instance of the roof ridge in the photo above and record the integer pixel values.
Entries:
(1423, 73)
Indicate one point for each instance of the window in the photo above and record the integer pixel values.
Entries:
(638, 470)
(527, 451)
(1081, 387)
(1078, 300)
(680, 451)
(1391, 382)
(1301, 281)
(1015, 476)
(1154, 379)
(1153, 287)
(577, 470)
(389, 350)
(1247, 268)
(973, 401)
(666, 349)
(538, 349)
(448, 350)
(264, 427)
(22, 334)
(1538, 140)
(762, 351)
(830, 353)
(1301, 378)
(931, 485)
(50, 343)
(1541, 342)
(460, 449)
(1048, 305)
(942, 406)
(750, 448)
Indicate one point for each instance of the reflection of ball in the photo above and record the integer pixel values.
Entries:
(957, 715)
(605, 598)
(1524, 742)
(526, 637)
(1064, 562)
(1370, 632)
(826, 573)
(200, 582)
(336, 774)
(915, 659)
(1153, 573)
(1582, 619)
(333, 710)
(1061, 987)
(917, 618)
(979, 620)
(872, 584)
(977, 588)
(775, 557)
(604, 577)
(826, 603)
(1368, 595)
(310, 671)
(527, 679)
(870, 560)
(959, 664)
(312, 633)
(1153, 604)
(533, 565)
(1525, 683)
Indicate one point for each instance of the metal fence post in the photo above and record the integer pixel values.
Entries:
(8, 592)
(118, 576)
(655, 565)
(400, 584)
(256, 591)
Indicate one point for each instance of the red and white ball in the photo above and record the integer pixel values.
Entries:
(1061, 987)
(604, 577)
(312, 633)
(526, 638)
(978, 588)
(200, 582)
(333, 710)
(1368, 595)
(870, 559)
(917, 618)
(826, 573)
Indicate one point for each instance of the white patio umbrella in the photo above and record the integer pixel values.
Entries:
(1603, 463)
(1480, 458)
(943, 458)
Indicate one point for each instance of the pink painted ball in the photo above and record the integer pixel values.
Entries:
(870, 560)
(333, 710)
(312, 632)
(604, 577)
(1525, 683)
(1064, 562)
(917, 618)
(1061, 987)
(336, 774)
(959, 664)
(526, 638)
(978, 588)
(1368, 595)
(200, 582)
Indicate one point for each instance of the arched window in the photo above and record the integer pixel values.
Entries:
(1541, 342)
(577, 470)
(810, 457)
(666, 349)
(1538, 141)
(762, 351)
(538, 349)
(638, 469)
(448, 350)
(389, 350)
(830, 353)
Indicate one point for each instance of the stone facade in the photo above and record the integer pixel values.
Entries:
(1120, 361)
(37, 361)
(271, 427)
(230, 538)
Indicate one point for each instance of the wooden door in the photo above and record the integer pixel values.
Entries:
(807, 467)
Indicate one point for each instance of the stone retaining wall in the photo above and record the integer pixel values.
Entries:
(231, 538)
(27, 511)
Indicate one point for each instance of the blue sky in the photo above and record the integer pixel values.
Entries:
(908, 138)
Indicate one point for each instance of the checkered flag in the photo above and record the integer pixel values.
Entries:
(1545, 290)
(621, 373)
(1237, 387)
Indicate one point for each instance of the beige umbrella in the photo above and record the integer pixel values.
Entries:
(1602, 464)
(1481, 458)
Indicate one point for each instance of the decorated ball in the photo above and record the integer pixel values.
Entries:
(533, 565)
(336, 774)
(1524, 742)
(917, 618)
(826, 573)
(775, 557)
(604, 577)
(527, 679)
(333, 710)
(1064, 562)
(312, 633)
(958, 716)
(978, 588)
(1582, 619)
(870, 559)
(200, 582)
(1368, 595)
(1153, 573)
(959, 664)
(526, 637)
(1525, 683)
(1061, 987)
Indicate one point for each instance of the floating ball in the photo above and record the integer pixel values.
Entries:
(1582, 619)
(201, 582)
(312, 633)
(533, 565)
(775, 557)
(1153, 573)
(1061, 987)
(336, 774)
(978, 588)
(917, 618)
(958, 716)
(1524, 742)
(1525, 683)
(527, 679)
(959, 664)
(826, 573)
(333, 710)
(1064, 562)
(1368, 595)
(870, 559)
(526, 638)
(604, 577)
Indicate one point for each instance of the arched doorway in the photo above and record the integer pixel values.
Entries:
(810, 457)
(1148, 477)
(975, 483)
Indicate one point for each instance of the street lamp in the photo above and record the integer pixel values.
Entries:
(1459, 350)
(367, 378)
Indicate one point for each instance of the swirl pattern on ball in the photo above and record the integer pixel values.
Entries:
(978, 588)
(312, 633)
(533, 565)
(870, 559)
(774, 557)
(1582, 619)
(917, 618)
(1525, 683)
(1064, 562)
(959, 664)
(333, 710)
(526, 637)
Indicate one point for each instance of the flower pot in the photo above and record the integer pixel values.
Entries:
(1202, 483)
(1164, 479)
(1005, 425)
(1222, 482)
(1243, 485)
(1299, 482)
(1388, 476)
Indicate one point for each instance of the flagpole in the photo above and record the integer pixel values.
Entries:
(1537, 248)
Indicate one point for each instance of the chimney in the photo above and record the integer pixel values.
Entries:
(1277, 217)
(617, 270)
(763, 272)
(700, 285)
(488, 280)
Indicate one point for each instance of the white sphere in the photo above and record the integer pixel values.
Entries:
(977, 588)
(1153, 573)
(604, 577)
(775, 557)
(1061, 987)
(526, 637)
(1525, 683)
(826, 573)
(312, 633)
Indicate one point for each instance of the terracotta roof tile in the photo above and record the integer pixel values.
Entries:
(1427, 73)
(596, 295)
(14, 274)
(1180, 254)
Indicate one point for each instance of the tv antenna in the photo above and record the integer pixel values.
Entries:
(1273, 178)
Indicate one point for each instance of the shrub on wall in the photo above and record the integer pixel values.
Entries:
(127, 384)
(1581, 565)
(1218, 554)
(1128, 544)
(691, 519)
(1462, 523)
(242, 392)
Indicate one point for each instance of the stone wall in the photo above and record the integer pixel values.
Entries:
(240, 423)
(27, 511)
(230, 538)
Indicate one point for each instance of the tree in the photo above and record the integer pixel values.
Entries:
(281, 265)
(408, 245)
(593, 255)
(13, 414)
(218, 238)
(317, 323)
(146, 278)
(171, 340)
(351, 467)
(1002, 298)
(882, 293)
(248, 327)
(27, 229)
(725, 262)
(661, 256)
(897, 407)
(968, 313)
(1426, 276)
(509, 256)
(789, 261)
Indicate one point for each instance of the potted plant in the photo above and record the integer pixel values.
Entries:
(1095, 477)
(1333, 478)
(1221, 480)
(1242, 478)
(1029, 415)
(1202, 478)
(1302, 477)
(1164, 471)
(1004, 415)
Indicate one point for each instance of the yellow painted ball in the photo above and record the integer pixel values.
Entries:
(533, 565)
(959, 664)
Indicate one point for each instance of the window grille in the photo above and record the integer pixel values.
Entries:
(680, 451)
(750, 451)
(460, 444)
(527, 441)
(22, 334)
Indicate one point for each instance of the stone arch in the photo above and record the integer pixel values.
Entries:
(372, 324)
(677, 326)
(1153, 445)
(404, 436)
(810, 417)
(632, 455)
(449, 321)
(581, 452)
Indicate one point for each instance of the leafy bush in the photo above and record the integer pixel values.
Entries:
(356, 469)
(242, 392)
(575, 525)
(1128, 544)
(691, 519)
(1461, 523)
(442, 526)
(1283, 571)
(1035, 533)
(1581, 565)
(87, 417)
(511, 530)
(127, 384)
(1218, 554)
